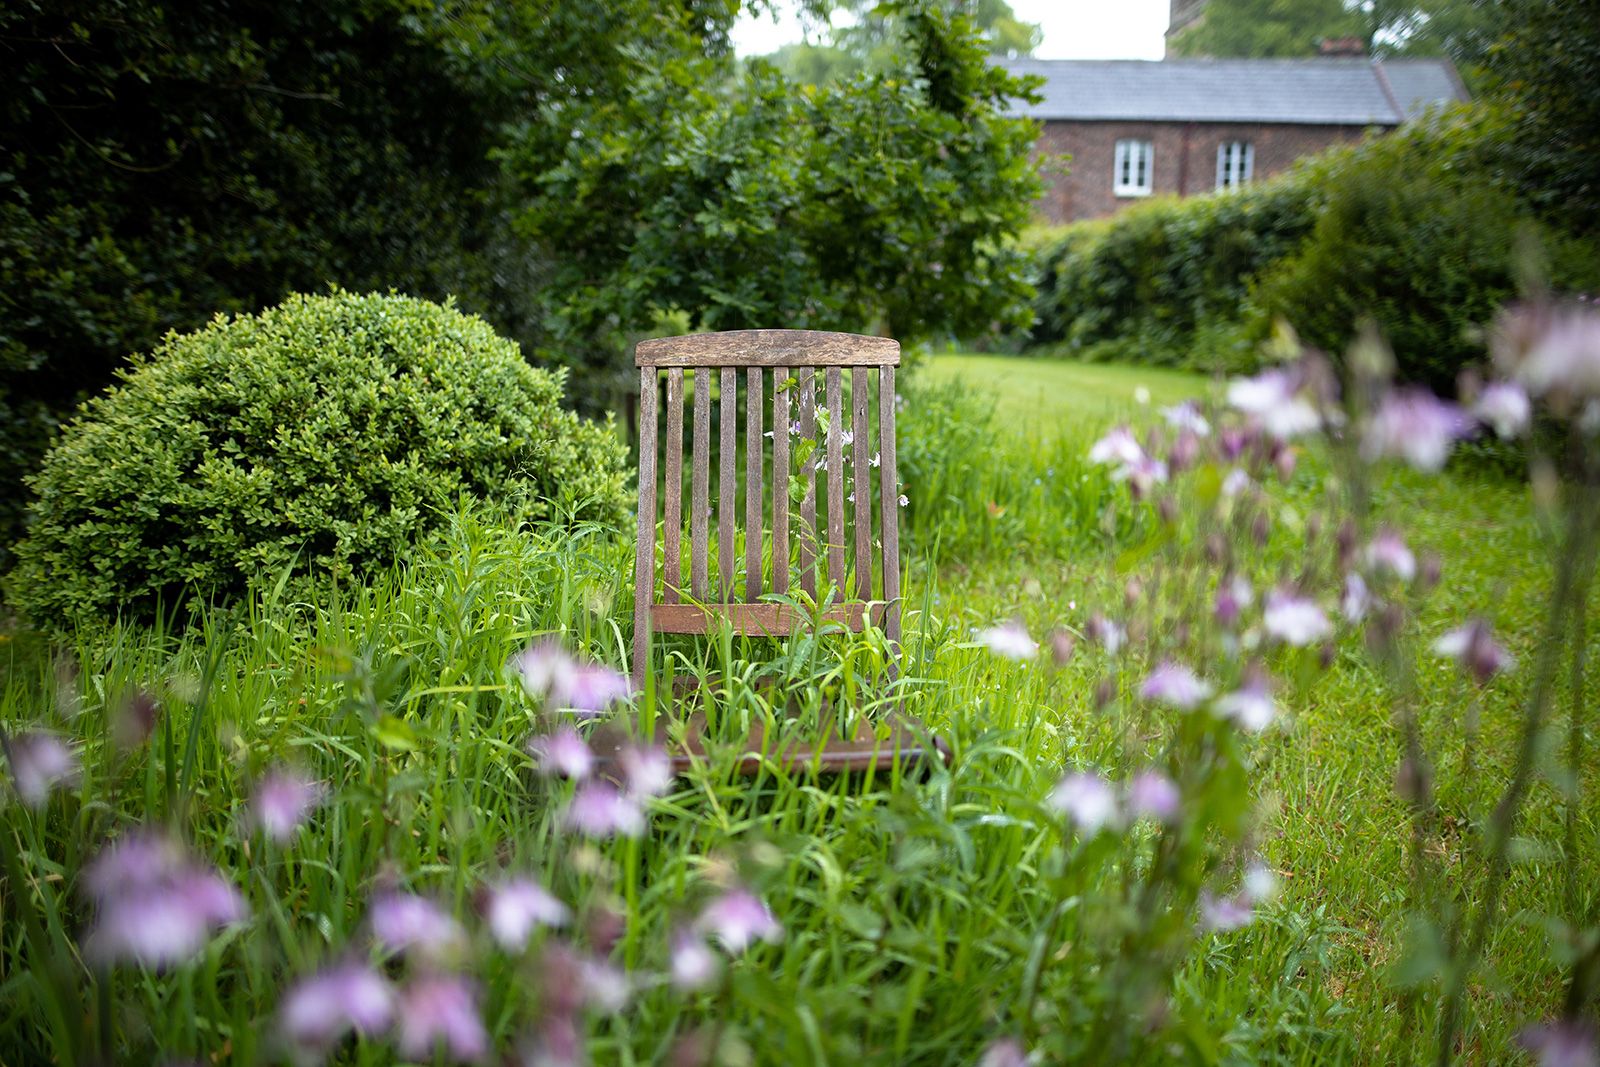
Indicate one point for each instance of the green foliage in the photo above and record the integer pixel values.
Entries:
(1288, 28)
(323, 435)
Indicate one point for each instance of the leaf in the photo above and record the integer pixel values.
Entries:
(394, 734)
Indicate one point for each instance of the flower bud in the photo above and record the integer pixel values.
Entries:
(1105, 693)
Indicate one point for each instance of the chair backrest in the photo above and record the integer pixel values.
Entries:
(787, 361)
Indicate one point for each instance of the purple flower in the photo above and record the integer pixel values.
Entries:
(1233, 596)
(1086, 799)
(40, 763)
(1355, 601)
(1550, 349)
(646, 770)
(1222, 914)
(440, 1010)
(1004, 1052)
(137, 860)
(1388, 552)
(1562, 1044)
(548, 673)
(1186, 416)
(1505, 406)
(545, 669)
(738, 918)
(1236, 482)
(605, 986)
(594, 688)
(1117, 448)
(163, 921)
(600, 810)
(563, 753)
(1174, 684)
(320, 1010)
(1416, 426)
(557, 1043)
(1153, 795)
(694, 966)
(1143, 475)
(1274, 398)
(515, 907)
(1250, 705)
(1105, 633)
(1474, 647)
(283, 800)
(1009, 640)
(404, 921)
(1294, 619)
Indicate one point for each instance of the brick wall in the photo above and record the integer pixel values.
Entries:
(1185, 158)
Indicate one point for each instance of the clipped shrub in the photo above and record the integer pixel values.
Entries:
(326, 435)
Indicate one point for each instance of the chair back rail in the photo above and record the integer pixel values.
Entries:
(792, 358)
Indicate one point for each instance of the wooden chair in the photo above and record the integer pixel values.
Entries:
(782, 365)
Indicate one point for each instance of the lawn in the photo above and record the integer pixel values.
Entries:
(924, 915)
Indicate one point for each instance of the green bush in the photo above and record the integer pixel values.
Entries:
(327, 434)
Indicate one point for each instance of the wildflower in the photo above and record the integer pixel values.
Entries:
(1416, 426)
(164, 918)
(440, 1010)
(904, 500)
(1233, 596)
(557, 1043)
(138, 859)
(1355, 601)
(1550, 349)
(1186, 416)
(1143, 475)
(548, 673)
(1119, 448)
(1153, 795)
(1274, 399)
(1562, 1044)
(1185, 450)
(1294, 619)
(646, 770)
(1236, 482)
(1250, 705)
(135, 720)
(1475, 648)
(283, 800)
(1004, 1052)
(320, 1010)
(516, 907)
(605, 986)
(1086, 799)
(593, 688)
(563, 753)
(1105, 633)
(1388, 552)
(1174, 684)
(1222, 914)
(1260, 883)
(1062, 645)
(1009, 640)
(600, 810)
(876, 460)
(738, 918)
(1505, 406)
(694, 966)
(1141, 395)
(40, 763)
(405, 921)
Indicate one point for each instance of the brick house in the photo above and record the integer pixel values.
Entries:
(1138, 128)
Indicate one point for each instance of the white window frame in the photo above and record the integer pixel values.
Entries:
(1236, 164)
(1133, 170)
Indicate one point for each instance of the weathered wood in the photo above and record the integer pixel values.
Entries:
(836, 480)
(672, 519)
(700, 476)
(765, 620)
(808, 479)
(861, 463)
(644, 572)
(780, 482)
(889, 496)
(727, 491)
(753, 453)
(769, 348)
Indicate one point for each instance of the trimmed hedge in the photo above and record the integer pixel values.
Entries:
(328, 434)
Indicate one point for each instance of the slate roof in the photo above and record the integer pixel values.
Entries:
(1342, 92)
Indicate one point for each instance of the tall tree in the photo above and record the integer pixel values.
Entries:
(1288, 28)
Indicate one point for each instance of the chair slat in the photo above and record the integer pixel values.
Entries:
(836, 479)
(808, 503)
(752, 483)
(780, 482)
(672, 520)
(727, 490)
(772, 620)
(860, 462)
(699, 502)
(644, 575)
(889, 497)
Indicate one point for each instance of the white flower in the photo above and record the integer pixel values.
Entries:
(1274, 399)
(1295, 619)
(1086, 799)
(1505, 406)
(1250, 706)
(1186, 416)
(1009, 640)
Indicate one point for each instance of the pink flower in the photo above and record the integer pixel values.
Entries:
(694, 966)
(1294, 619)
(1117, 448)
(1416, 426)
(40, 763)
(600, 810)
(1086, 799)
(1388, 552)
(1143, 475)
(1250, 705)
(737, 919)
(440, 1011)
(402, 922)
(1176, 685)
(556, 1043)
(1236, 482)
(1274, 398)
(1474, 647)
(1355, 601)
(283, 800)
(1222, 914)
(319, 1011)
(593, 688)
(563, 753)
(548, 673)
(1562, 1044)
(1233, 596)
(1105, 633)
(1505, 406)
(1009, 640)
(1153, 795)
(516, 907)
(1186, 416)
(163, 921)
(1550, 349)
(605, 986)
(646, 770)
(1004, 1052)
(137, 860)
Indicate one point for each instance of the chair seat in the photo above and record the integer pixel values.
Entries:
(756, 620)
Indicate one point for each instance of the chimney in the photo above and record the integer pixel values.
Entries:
(1342, 47)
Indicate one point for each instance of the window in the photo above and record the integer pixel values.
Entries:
(1132, 174)
(1235, 163)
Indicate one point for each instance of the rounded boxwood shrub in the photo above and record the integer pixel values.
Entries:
(326, 435)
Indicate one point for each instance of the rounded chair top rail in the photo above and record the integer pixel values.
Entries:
(769, 348)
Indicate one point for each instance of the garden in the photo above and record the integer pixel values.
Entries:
(1259, 661)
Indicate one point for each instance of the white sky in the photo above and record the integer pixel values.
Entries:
(1073, 29)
